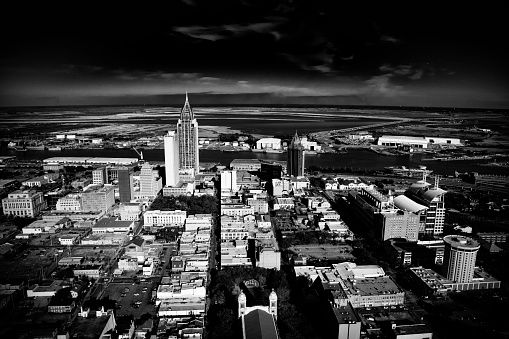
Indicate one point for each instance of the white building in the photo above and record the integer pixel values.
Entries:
(71, 202)
(236, 210)
(398, 140)
(68, 239)
(164, 218)
(269, 143)
(130, 211)
(171, 158)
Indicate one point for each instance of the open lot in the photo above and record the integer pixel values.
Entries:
(323, 251)
(94, 251)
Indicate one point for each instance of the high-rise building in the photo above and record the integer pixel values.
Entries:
(125, 184)
(150, 182)
(187, 136)
(229, 181)
(171, 158)
(295, 165)
(433, 198)
(459, 258)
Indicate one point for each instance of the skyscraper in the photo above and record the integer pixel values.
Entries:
(187, 136)
(125, 183)
(171, 158)
(295, 157)
(459, 258)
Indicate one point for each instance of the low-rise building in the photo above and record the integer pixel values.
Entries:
(157, 218)
(111, 225)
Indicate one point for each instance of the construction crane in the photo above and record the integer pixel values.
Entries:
(139, 153)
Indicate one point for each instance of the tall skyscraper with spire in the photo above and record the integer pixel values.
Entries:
(295, 165)
(187, 136)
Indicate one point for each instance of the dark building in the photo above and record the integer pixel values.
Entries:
(295, 165)
(270, 170)
(124, 184)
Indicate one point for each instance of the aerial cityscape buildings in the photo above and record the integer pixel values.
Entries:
(245, 247)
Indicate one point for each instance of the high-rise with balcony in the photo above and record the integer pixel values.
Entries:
(187, 136)
(459, 258)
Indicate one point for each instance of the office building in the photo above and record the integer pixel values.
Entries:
(187, 136)
(24, 203)
(150, 182)
(171, 158)
(98, 198)
(459, 258)
(295, 165)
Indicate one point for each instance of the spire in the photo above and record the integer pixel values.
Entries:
(187, 112)
(296, 139)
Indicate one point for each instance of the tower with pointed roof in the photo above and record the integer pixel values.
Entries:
(187, 136)
(295, 165)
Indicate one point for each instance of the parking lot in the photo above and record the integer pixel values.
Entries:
(132, 297)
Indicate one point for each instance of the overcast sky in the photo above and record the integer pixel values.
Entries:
(255, 51)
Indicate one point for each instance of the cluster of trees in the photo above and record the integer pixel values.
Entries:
(191, 204)
(17, 221)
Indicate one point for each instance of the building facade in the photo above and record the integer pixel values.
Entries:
(187, 136)
(295, 165)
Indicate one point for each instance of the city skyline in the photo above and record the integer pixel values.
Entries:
(255, 53)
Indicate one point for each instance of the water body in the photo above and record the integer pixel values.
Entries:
(356, 159)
